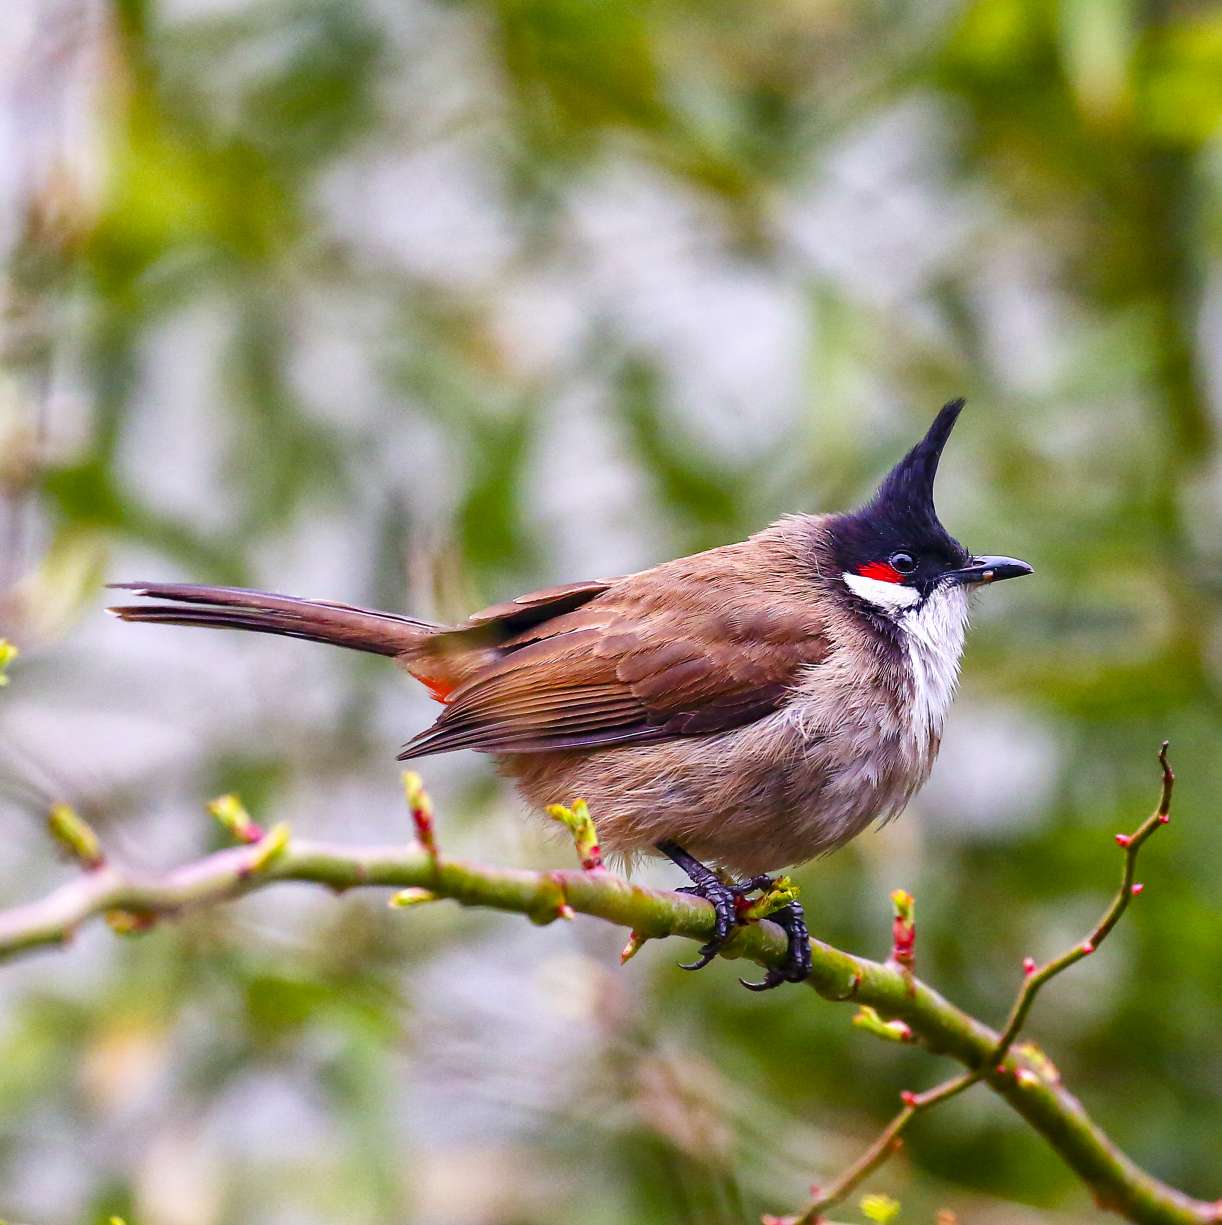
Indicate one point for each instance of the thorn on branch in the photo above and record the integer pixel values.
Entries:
(421, 808)
(579, 823)
(76, 836)
(232, 814)
(633, 947)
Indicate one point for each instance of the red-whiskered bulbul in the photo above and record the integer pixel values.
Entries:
(751, 706)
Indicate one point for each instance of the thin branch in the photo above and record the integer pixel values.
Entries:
(889, 1141)
(1131, 844)
(1025, 1079)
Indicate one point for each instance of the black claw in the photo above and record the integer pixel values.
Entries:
(706, 955)
(797, 965)
(772, 978)
(724, 899)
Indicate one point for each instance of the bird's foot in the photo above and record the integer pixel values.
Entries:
(729, 901)
(791, 920)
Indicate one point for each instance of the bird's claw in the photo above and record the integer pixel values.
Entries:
(724, 900)
(797, 964)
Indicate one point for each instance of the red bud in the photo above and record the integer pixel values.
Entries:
(1136, 888)
(1028, 966)
(1123, 839)
(1163, 818)
(1087, 946)
(908, 1097)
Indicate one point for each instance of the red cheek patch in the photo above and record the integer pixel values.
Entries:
(881, 571)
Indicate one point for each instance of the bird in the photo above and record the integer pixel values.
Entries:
(738, 711)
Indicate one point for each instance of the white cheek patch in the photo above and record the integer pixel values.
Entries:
(890, 597)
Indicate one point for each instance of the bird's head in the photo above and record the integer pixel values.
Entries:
(894, 554)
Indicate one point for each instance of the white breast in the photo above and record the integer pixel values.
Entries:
(933, 635)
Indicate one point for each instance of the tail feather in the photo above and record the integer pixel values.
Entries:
(345, 625)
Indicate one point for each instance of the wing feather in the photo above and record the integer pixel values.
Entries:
(613, 672)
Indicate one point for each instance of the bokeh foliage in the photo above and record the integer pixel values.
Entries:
(425, 304)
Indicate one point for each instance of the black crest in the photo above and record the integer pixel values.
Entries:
(901, 513)
(907, 490)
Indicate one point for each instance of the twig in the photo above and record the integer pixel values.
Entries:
(1131, 845)
(1026, 1081)
(888, 1142)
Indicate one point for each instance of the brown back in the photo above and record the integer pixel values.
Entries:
(694, 646)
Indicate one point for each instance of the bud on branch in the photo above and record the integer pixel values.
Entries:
(903, 929)
(8, 653)
(585, 837)
(232, 815)
(76, 836)
(421, 808)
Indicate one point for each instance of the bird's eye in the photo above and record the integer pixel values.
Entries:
(904, 563)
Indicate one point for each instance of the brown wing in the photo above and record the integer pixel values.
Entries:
(647, 660)
(523, 612)
(447, 659)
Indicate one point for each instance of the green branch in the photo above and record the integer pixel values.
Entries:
(1021, 1075)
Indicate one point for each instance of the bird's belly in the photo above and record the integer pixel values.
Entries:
(776, 792)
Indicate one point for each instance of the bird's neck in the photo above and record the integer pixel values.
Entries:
(931, 637)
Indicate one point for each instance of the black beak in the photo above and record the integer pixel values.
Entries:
(989, 570)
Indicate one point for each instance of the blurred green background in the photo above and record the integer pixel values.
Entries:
(422, 304)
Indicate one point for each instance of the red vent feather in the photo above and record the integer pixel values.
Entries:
(439, 690)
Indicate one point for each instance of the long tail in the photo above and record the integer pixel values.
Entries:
(344, 625)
